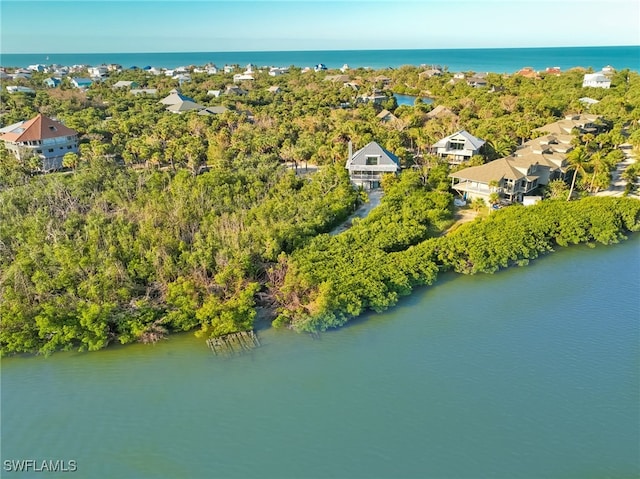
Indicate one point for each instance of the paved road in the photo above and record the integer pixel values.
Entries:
(374, 200)
(618, 185)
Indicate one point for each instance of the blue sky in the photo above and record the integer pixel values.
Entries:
(51, 26)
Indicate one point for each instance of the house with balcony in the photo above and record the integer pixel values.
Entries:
(458, 148)
(41, 137)
(511, 178)
(367, 165)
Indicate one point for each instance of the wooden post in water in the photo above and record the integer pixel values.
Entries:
(233, 343)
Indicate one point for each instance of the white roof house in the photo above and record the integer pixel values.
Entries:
(367, 165)
(596, 80)
(459, 147)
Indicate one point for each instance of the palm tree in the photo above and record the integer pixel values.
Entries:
(577, 158)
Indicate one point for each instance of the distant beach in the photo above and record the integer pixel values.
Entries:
(500, 60)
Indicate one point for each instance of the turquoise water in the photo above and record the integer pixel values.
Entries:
(501, 60)
(529, 373)
(410, 100)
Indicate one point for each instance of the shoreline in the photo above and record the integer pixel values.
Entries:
(499, 60)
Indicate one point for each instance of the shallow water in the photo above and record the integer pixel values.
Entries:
(529, 373)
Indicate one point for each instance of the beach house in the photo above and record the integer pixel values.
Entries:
(367, 165)
(458, 148)
(42, 138)
(596, 80)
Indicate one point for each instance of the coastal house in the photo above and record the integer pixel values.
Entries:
(43, 138)
(528, 72)
(98, 72)
(178, 103)
(213, 110)
(510, 178)
(582, 123)
(367, 165)
(477, 81)
(386, 116)
(37, 68)
(596, 80)
(553, 71)
(52, 82)
(240, 77)
(458, 148)
(81, 83)
(234, 90)
(274, 89)
(432, 72)
(376, 97)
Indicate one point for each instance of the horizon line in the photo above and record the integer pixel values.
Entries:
(318, 50)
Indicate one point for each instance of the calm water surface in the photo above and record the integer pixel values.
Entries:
(530, 373)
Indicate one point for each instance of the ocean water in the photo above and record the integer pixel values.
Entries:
(500, 60)
(530, 373)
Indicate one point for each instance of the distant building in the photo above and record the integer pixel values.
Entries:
(19, 89)
(125, 84)
(596, 80)
(41, 137)
(367, 165)
(81, 83)
(52, 82)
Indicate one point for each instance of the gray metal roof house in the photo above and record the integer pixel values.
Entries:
(367, 165)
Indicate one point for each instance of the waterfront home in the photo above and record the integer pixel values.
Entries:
(367, 165)
(458, 148)
(125, 84)
(376, 97)
(509, 178)
(42, 138)
(432, 72)
(274, 89)
(52, 82)
(344, 68)
(319, 67)
(81, 83)
(596, 80)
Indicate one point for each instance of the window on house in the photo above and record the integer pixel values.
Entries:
(50, 150)
(456, 145)
(372, 160)
(68, 147)
(52, 128)
(38, 151)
